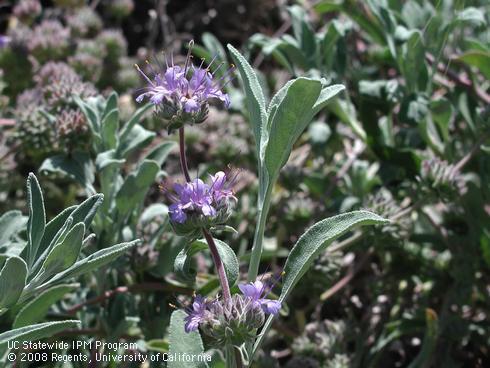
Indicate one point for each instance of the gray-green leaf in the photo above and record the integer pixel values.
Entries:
(37, 216)
(36, 332)
(85, 212)
(36, 309)
(94, 261)
(316, 239)
(312, 243)
(254, 95)
(182, 342)
(288, 121)
(54, 226)
(78, 167)
(11, 223)
(110, 125)
(64, 254)
(182, 264)
(138, 137)
(12, 281)
(134, 189)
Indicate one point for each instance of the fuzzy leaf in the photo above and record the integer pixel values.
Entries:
(138, 137)
(11, 223)
(79, 167)
(64, 254)
(111, 103)
(85, 212)
(108, 158)
(288, 121)
(94, 261)
(137, 116)
(135, 187)
(54, 226)
(326, 95)
(37, 216)
(213, 45)
(182, 263)
(110, 126)
(12, 281)
(36, 332)
(36, 309)
(254, 95)
(315, 240)
(182, 342)
(91, 115)
(59, 235)
(160, 153)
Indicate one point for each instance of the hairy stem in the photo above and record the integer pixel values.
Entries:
(238, 358)
(183, 159)
(253, 268)
(218, 263)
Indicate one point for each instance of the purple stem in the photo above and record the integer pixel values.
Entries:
(183, 159)
(219, 265)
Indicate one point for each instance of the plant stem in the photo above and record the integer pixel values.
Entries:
(229, 357)
(183, 159)
(238, 358)
(253, 268)
(220, 268)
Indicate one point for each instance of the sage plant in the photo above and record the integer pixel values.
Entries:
(238, 323)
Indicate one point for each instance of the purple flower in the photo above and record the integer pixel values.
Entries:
(4, 41)
(195, 314)
(222, 188)
(257, 291)
(197, 197)
(187, 89)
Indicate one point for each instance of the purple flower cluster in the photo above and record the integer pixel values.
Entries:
(195, 314)
(188, 88)
(257, 291)
(199, 198)
(254, 295)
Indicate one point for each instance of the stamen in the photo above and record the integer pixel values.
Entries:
(227, 82)
(212, 61)
(143, 74)
(202, 63)
(218, 68)
(228, 72)
(187, 59)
